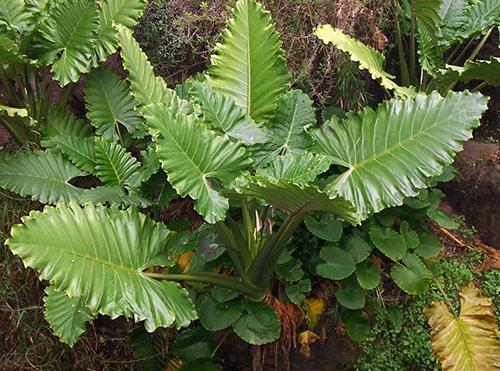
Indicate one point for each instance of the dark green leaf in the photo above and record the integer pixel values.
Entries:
(389, 242)
(258, 325)
(339, 263)
(327, 229)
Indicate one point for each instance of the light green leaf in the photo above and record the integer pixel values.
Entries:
(259, 324)
(80, 151)
(44, 176)
(215, 316)
(390, 242)
(9, 51)
(61, 123)
(452, 14)
(368, 275)
(14, 15)
(146, 87)
(67, 39)
(220, 112)
(112, 195)
(286, 130)
(109, 103)
(298, 168)
(249, 64)
(339, 264)
(66, 316)
(351, 295)
(293, 199)
(414, 277)
(13, 111)
(481, 70)
(91, 248)
(392, 152)
(479, 17)
(118, 12)
(114, 165)
(194, 158)
(368, 58)
(326, 228)
(441, 218)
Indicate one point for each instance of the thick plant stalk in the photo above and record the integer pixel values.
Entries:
(263, 265)
(218, 279)
(405, 77)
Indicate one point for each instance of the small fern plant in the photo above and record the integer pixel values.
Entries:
(247, 149)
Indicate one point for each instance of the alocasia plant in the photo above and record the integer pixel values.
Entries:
(70, 36)
(447, 33)
(249, 152)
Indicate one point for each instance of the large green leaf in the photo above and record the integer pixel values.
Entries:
(481, 70)
(195, 159)
(222, 113)
(118, 12)
(249, 64)
(109, 103)
(44, 176)
(66, 316)
(368, 58)
(479, 17)
(392, 152)
(99, 254)
(61, 123)
(293, 198)
(80, 151)
(286, 131)
(146, 87)
(114, 165)
(9, 51)
(427, 17)
(14, 15)
(452, 14)
(299, 168)
(67, 39)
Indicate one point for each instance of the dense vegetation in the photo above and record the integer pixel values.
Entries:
(271, 200)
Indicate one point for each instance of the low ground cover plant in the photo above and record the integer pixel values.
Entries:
(249, 152)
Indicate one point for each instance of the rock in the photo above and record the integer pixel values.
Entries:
(475, 192)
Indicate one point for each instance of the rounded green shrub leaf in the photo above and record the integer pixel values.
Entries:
(339, 263)
(258, 325)
(414, 277)
(389, 242)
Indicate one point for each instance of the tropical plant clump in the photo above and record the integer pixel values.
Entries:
(249, 152)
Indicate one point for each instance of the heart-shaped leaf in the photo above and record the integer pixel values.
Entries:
(338, 263)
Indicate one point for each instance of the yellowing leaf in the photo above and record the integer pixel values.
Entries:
(314, 308)
(469, 341)
(305, 339)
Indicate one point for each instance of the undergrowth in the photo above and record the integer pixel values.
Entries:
(399, 339)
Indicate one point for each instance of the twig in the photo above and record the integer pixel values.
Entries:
(448, 234)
